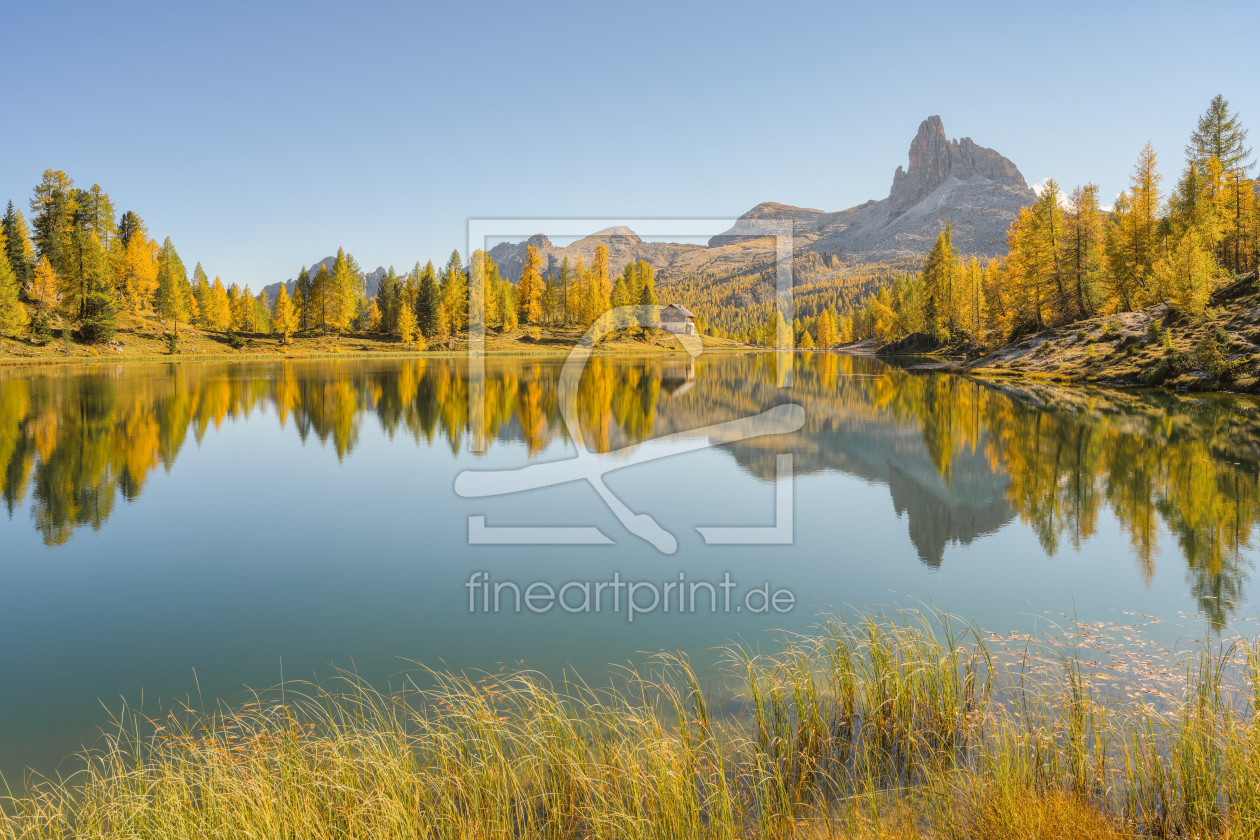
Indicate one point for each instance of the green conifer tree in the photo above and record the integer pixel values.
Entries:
(53, 209)
(128, 226)
(428, 300)
(302, 292)
(455, 293)
(1220, 134)
(564, 282)
(172, 286)
(344, 292)
(17, 245)
(940, 275)
(100, 311)
(321, 291)
(12, 312)
(647, 285)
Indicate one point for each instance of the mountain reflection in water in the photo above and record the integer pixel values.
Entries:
(960, 459)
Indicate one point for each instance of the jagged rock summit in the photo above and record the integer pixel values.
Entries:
(934, 160)
(977, 189)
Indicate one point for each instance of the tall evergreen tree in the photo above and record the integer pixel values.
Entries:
(1133, 238)
(529, 288)
(1220, 134)
(219, 316)
(129, 225)
(455, 293)
(1186, 274)
(302, 293)
(564, 280)
(389, 296)
(1083, 250)
(100, 310)
(95, 211)
(550, 300)
(52, 217)
(1189, 205)
(172, 286)
(406, 321)
(940, 276)
(204, 295)
(344, 292)
(135, 272)
(321, 293)
(428, 301)
(93, 296)
(12, 312)
(17, 245)
(826, 329)
(620, 293)
(283, 318)
(42, 292)
(647, 284)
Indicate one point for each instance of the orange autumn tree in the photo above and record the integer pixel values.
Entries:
(283, 315)
(529, 289)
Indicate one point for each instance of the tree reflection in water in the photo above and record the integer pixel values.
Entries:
(962, 459)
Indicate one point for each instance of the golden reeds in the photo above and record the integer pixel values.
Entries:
(891, 726)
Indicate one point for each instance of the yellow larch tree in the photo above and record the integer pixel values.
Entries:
(136, 271)
(406, 323)
(529, 289)
(283, 315)
(601, 283)
(219, 316)
(1187, 273)
(1082, 250)
(826, 329)
(42, 290)
(1133, 236)
(344, 292)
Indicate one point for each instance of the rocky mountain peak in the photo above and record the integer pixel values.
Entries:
(539, 240)
(621, 231)
(934, 159)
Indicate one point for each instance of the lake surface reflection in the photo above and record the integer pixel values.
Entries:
(251, 519)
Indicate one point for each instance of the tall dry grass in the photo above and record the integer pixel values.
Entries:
(888, 727)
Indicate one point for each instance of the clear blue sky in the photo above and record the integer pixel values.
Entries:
(261, 136)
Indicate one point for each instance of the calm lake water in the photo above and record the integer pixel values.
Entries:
(187, 530)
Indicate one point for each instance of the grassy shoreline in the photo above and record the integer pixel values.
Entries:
(144, 339)
(905, 726)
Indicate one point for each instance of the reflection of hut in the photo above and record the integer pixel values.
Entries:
(678, 378)
(678, 319)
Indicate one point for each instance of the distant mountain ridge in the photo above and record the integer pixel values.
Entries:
(371, 280)
(979, 191)
(623, 244)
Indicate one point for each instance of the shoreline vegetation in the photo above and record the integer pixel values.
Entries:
(139, 338)
(888, 726)
(1152, 347)
(1153, 289)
